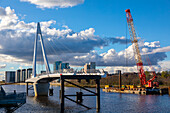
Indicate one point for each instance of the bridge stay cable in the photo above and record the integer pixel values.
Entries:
(54, 46)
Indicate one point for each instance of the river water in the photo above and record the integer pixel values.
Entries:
(110, 102)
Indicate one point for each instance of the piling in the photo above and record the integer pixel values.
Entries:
(79, 95)
(27, 88)
(62, 95)
(98, 95)
(120, 79)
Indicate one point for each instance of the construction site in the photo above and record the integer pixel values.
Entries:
(150, 86)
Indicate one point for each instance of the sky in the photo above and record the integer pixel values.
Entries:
(82, 31)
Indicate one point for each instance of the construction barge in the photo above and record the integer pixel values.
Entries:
(142, 91)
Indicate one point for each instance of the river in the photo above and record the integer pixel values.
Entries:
(110, 102)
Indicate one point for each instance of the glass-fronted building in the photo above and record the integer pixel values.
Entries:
(9, 76)
(59, 66)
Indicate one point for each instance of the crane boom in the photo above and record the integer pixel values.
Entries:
(135, 45)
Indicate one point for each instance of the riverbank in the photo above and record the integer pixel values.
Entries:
(14, 83)
(55, 84)
(69, 85)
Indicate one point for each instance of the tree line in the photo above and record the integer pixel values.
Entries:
(131, 79)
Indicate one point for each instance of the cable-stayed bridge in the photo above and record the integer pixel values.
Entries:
(41, 82)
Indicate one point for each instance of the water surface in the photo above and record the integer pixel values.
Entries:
(110, 102)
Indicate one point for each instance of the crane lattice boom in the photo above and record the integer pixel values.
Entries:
(137, 54)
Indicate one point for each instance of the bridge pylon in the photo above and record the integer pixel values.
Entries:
(38, 33)
(40, 89)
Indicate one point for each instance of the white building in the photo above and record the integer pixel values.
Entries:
(90, 67)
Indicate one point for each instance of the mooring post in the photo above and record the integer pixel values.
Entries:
(27, 88)
(62, 95)
(120, 79)
(98, 95)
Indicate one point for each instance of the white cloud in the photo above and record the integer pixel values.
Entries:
(26, 64)
(65, 26)
(3, 66)
(77, 48)
(17, 39)
(152, 44)
(165, 65)
(162, 66)
(54, 3)
(124, 57)
(2, 75)
(158, 50)
(20, 67)
(113, 69)
(11, 67)
(8, 18)
(9, 58)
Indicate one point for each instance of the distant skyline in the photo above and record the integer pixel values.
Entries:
(82, 31)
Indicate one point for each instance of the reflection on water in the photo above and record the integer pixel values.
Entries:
(120, 95)
(110, 102)
(45, 101)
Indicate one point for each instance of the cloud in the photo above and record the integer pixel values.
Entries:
(162, 66)
(3, 66)
(10, 58)
(2, 75)
(17, 43)
(20, 67)
(159, 50)
(121, 40)
(17, 39)
(54, 3)
(165, 65)
(11, 67)
(124, 69)
(124, 57)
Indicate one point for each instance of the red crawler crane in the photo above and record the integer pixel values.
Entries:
(136, 50)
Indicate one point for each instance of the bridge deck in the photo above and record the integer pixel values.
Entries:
(51, 77)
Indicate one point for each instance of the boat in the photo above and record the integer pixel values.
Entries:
(11, 101)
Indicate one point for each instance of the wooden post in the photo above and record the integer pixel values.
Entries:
(98, 95)
(27, 88)
(79, 77)
(62, 95)
(120, 80)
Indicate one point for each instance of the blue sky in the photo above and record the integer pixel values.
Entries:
(106, 17)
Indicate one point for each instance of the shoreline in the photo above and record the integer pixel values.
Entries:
(58, 84)
(55, 84)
